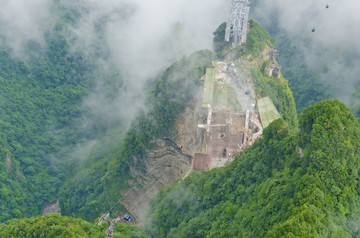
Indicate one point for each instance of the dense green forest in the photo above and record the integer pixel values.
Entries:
(39, 118)
(99, 178)
(300, 180)
(288, 184)
(54, 225)
(257, 39)
(42, 118)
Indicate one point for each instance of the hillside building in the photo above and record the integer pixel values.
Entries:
(272, 70)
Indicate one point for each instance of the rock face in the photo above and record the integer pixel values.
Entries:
(165, 163)
(8, 162)
(50, 208)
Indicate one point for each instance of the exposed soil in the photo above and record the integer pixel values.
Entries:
(165, 163)
(8, 162)
(50, 208)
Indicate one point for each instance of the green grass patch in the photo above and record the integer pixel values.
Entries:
(208, 93)
(232, 100)
(220, 95)
(267, 110)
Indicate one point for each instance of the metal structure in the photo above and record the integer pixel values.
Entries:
(238, 21)
(111, 224)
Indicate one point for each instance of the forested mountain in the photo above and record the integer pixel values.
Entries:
(43, 118)
(98, 183)
(297, 181)
(39, 118)
(288, 184)
(300, 179)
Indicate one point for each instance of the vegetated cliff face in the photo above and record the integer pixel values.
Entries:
(165, 163)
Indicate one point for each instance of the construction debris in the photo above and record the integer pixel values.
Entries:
(229, 119)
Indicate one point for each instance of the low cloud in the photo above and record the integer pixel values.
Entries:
(141, 38)
(22, 21)
(334, 43)
(134, 41)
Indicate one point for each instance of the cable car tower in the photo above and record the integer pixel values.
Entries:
(238, 21)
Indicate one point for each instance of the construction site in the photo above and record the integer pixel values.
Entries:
(232, 117)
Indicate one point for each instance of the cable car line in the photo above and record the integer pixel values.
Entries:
(132, 188)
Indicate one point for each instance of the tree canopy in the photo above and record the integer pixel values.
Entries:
(54, 225)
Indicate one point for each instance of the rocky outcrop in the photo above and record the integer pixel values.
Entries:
(50, 208)
(165, 163)
(8, 162)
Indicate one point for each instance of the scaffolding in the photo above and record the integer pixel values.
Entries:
(237, 24)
